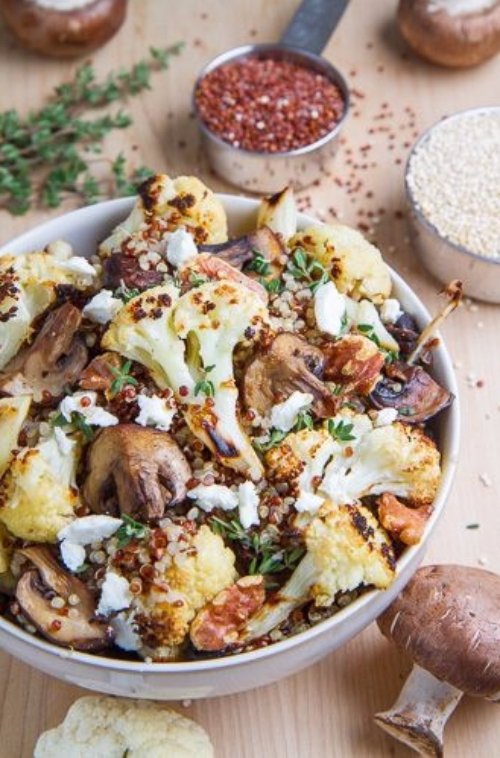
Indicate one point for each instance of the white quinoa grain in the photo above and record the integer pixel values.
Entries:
(454, 179)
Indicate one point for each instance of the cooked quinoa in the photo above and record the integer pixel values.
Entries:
(454, 179)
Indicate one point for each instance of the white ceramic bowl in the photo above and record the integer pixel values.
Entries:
(199, 679)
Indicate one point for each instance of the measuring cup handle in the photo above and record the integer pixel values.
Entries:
(313, 24)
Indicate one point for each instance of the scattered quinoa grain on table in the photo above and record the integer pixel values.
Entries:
(454, 178)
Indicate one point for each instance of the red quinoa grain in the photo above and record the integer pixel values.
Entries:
(268, 105)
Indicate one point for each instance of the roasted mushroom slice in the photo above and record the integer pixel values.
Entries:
(354, 362)
(289, 364)
(135, 471)
(125, 269)
(241, 251)
(411, 391)
(73, 627)
(52, 362)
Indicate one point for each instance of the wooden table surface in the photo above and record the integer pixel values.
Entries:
(325, 711)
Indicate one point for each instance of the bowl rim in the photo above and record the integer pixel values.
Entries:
(452, 427)
(412, 202)
(247, 51)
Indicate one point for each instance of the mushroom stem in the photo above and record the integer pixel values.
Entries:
(420, 713)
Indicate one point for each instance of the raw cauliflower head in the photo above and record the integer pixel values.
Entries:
(28, 285)
(113, 727)
(355, 265)
(38, 494)
(348, 548)
(194, 577)
(181, 202)
(395, 458)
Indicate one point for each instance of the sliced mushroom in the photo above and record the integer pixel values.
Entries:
(354, 362)
(72, 626)
(411, 391)
(289, 364)
(217, 625)
(125, 269)
(239, 252)
(135, 471)
(54, 360)
(98, 375)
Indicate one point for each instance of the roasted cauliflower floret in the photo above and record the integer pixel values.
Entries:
(348, 549)
(38, 494)
(28, 287)
(194, 577)
(395, 458)
(143, 331)
(13, 413)
(6, 549)
(214, 318)
(355, 265)
(181, 202)
(107, 726)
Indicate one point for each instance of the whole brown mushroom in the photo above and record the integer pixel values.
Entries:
(451, 33)
(63, 28)
(447, 619)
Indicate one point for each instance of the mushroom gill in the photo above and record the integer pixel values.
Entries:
(53, 362)
(74, 627)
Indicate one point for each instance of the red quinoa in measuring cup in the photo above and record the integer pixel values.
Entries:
(268, 105)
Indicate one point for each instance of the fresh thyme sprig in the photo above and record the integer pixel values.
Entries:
(129, 530)
(123, 378)
(44, 157)
(305, 267)
(78, 422)
(267, 556)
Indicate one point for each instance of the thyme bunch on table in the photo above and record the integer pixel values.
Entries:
(50, 154)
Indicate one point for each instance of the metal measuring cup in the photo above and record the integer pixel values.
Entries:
(301, 43)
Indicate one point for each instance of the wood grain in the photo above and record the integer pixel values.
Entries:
(324, 712)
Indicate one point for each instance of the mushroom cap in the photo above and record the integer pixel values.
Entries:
(447, 619)
(455, 40)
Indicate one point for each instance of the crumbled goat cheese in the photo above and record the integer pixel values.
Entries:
(155, 411)
(149, 258)
(64, 443)
(210, 496)
(329, 309)
(88, 529)
(92, 413)
(248, 503)
(385, 417)
(284, 415)
(180, 247)
(73, 555)
(115, 594)
(77, 265)
(103, 307)
(390, 310)
(125, 636)
(308, 502)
